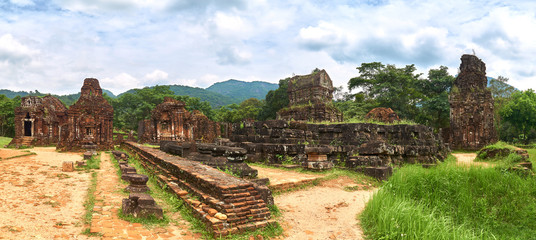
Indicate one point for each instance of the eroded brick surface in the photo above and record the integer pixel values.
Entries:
(471, 107)
(89, 120)
(170, 121)
(238, 202)
(310, 98)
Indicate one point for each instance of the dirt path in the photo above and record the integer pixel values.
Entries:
(323, 212)
(37, 199)
(108, 200)
(468, 159)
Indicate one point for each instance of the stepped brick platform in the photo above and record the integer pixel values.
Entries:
(226, 204)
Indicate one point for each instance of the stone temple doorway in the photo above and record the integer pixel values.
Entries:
(28, 126)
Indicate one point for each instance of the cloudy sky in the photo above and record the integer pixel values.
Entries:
(52, 45)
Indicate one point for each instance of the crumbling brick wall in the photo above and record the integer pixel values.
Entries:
(386, 115)
(471, 107)
(170, 121)
(238, 199)
(310, 99)
(268, 140)
(39, 119)
(89, 120)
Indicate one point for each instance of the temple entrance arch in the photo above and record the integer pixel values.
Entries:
(28, 124)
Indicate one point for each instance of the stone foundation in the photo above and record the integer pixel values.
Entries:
(374, 145)
(238, 203)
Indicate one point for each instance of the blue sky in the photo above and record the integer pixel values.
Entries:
(52, 45)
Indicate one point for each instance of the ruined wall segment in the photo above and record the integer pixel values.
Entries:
(38, 121)
(363, 146)
(310, 99)
(226, 204)
(471, 107)
(89, 120)
(170, 121)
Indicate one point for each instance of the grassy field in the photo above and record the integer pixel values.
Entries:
(451, 202)
(4, 141)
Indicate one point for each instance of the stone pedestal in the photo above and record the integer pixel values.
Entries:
(120, 155)
(67, 166)
(141, 205)
(138, 183)
(88, 155)
(126, 171)
(317, 158)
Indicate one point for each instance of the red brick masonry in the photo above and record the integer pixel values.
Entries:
(226, 204)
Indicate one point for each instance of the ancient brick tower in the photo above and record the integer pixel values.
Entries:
(89, 120)
(170, 121)
(38, 121)
(471, 107)
(310, 99)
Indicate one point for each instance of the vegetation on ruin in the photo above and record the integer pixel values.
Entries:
(171, 203)
(452, 202)
(371, 121)
(365, 182)
(92, 163)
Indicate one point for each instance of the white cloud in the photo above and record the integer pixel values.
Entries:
(23, 2)
(156, 76)
(15, 53)
(120, 83)
(54, 45)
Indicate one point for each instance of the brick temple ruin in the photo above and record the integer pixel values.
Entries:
(41, 121)
(38, 121)
(471, 107)
(362, 146)
(170, 121)
(89, 120)
(386, 115)
(310, 99)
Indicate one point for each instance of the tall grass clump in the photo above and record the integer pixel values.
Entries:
(451, 202)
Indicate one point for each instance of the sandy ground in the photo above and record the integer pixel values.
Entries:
(468, 159)
(323, 212)
(37, 199)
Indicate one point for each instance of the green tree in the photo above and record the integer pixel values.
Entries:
(391, 87)
(435, 107)
(7, 115)
(502, 93)
(275, 100)
(195, 103)
(520, 112)
(248, 109)
(130, 108)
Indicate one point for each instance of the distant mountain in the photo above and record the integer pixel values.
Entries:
(243, 90)
(12, 94)
(68, 99)
(219, 94)
(216, 100)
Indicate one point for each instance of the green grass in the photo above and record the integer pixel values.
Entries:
(532, 156)
(4, 141)
(451, 202)
(325, 175)
(90, 202)
(92, 163)
(499, 145)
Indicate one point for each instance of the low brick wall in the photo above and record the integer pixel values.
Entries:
(358, 145)
(236, 198)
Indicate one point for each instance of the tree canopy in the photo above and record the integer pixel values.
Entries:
(520, 112)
